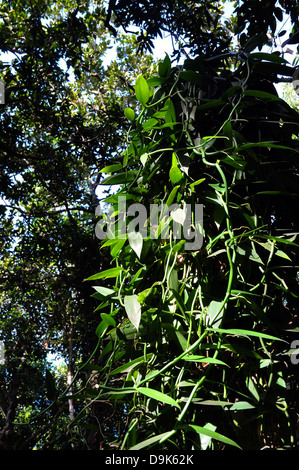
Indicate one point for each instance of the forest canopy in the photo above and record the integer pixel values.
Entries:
(156, 346)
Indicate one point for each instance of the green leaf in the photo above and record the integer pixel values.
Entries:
(261, 94)
(156, 81)
(165, 67)
(205, 440)
(108, 273)
(126, 367)
(192, 185)
(252, 388)
(117, 247)
(104, 291)
(265, 56)
(150, 123)
(176, 336)
(172, 196)
(282, 254)
(241, 405)
(130, 114)
(239, 332)
(175, 175)
(120, 178)
(272, 67)
(136, 242)
(144, 158)
(108, 319)
(214, 435)
(111, 168)
(150, 441)
(101, 328)
(159, 396)
(142, 90)
(214, 318)
(208, 360)
(133, 309)
(170, 116)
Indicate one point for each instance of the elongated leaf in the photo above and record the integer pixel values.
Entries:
(149, 441)
(108, 273)
(108, 319)
(176, 335)
(120, 178)
(282, 254)
(208, 360)
(239, 332)
(133, 309)
(197, 182)
(252, 388)
(261, 94)
(172, 196)
(241, 405)
(111, 168)
(128, 365)
(117, 247)
(165, 67)
(142, 90)
(104, 291)
(159, 396)
(205, 440)
(270, 57)
(170, 116)
(213, 434)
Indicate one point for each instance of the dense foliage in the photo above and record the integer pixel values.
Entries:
(168, 346)
(62, 121)
(202, 352)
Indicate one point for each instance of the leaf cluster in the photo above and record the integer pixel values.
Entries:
(194, 342)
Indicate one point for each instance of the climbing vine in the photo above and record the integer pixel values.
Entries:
(198, 308)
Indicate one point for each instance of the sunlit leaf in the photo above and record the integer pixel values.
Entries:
(150, 441)
(133, 309)
(120, 178)
(130, 114)
(214, 435)
(104, 291)
(214, 314)
(108, 319)
(207, 360)
(239, 332)
(111, 168)
(142, 90)
(108, 273)
(136, 242)
(175, 175)
(159, 396)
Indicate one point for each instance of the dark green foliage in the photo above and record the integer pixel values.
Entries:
(204, 348)
(166, 347)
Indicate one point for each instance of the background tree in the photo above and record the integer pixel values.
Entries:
(62, 122)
